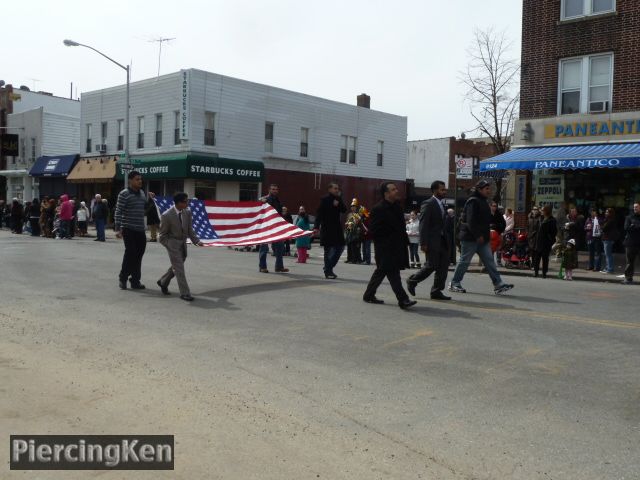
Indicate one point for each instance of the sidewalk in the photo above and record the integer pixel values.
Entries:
(579, 274)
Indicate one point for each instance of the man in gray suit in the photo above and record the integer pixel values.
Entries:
(434, 242)
(175, 228)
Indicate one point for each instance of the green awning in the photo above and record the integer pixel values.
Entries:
(196, 165)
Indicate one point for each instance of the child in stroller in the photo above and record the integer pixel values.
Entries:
(515, 250)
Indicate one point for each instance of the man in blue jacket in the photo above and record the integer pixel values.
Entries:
(474, 238)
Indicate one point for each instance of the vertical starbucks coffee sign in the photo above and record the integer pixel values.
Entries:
(185, 93)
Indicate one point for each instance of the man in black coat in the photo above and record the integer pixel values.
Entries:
(474, 238)
(434, 242)
(631, 242)
(330, 226)
(391, 241)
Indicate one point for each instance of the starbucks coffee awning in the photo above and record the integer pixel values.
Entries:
(196, 165)
(569, 157)
(93, 170)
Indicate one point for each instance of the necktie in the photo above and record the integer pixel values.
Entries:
(180, 219)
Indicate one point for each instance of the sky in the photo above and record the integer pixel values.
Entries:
(406, 54)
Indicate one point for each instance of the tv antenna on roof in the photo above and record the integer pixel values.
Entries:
(160, 40)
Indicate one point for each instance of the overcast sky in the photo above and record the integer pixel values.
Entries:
(406, 54)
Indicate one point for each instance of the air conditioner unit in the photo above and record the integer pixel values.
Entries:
(598, 107)
(102, 148)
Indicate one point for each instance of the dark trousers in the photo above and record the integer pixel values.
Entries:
(135, 243)
(332, 255)
(452, 252)
(353, 252)
(632, 253)
(35, 226)
(441, 268)
(366, 251)
(414, 256)
(100, 228)
(544, 256)
(394, 280)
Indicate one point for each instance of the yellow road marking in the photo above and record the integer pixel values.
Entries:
(527, 353)
(418, 334)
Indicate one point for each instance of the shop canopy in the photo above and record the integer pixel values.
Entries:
(93, 170)
(53, 166)
(569, 157)
(196, 165)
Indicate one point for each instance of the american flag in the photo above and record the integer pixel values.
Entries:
(231, 224)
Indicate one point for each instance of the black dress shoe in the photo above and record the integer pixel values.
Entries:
(164, 288)
(332, 276)
(187, 298)
(411, 287)
(374, 300)
(137, 286)
(122, 284)
(406, 304)
(439, 296)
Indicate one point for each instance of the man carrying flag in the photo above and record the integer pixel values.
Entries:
(175, 228)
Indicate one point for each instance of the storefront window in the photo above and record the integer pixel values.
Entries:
(206, 189)
(174, 186)
(248, 192)
(156, 186)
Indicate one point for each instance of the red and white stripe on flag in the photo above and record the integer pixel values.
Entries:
(248, 223)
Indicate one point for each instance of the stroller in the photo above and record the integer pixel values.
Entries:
(515, 250)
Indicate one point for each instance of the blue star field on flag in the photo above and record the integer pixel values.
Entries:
(201, 224)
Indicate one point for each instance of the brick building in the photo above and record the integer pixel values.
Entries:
(435, 159)
(579, 129)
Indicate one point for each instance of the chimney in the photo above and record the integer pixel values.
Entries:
(364, 100)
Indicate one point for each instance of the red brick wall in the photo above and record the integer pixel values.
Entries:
(304, 188)
(545, 41)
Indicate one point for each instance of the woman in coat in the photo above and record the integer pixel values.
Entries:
(303, 243)
(609, 236)
(17, 214)
(545, 239)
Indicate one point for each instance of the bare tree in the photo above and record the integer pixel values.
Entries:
(492, 87)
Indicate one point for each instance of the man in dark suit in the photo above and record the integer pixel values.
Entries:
(330, 227)
(175, 229)
(434, 242)
(391, 241)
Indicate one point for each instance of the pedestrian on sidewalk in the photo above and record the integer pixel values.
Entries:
(34, 217)
(390, 241)
(434, 242)
(100, 213)
(631, 242)
(498, 225)
(569, 259)
(609, 236)
(413, 231)
(175, 228)
(353, 233)
(83, 219)
(474, 238)
(66, 217)
(593, 230)
(330, 227)
(17, 214)
(129, 225)
(544, 240)
(303, 243)
(366, 236)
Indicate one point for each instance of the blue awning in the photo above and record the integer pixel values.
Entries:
(53, 166)
(570, 157)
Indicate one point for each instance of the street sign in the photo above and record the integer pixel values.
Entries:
(464, 168)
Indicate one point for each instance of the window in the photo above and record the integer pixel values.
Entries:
(33, 150)
(120, 134)
(583, 8)
(585, 84)
(23, 150)
(158, 130)
(380, 152)
(344, 141)
(352, 150)
(248, 192)
(88, 149)
(304, 142)
(103, 132)
(176, 129)
(268, 137)
(209, 128)
(140, 132)
(205, 189)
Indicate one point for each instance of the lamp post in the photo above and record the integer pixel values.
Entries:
(127, 161)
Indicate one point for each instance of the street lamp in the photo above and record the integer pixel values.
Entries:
(71, 43)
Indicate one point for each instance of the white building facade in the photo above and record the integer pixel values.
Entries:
(218, 137)
(46, 126)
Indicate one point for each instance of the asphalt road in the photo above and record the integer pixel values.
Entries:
(292, 376)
